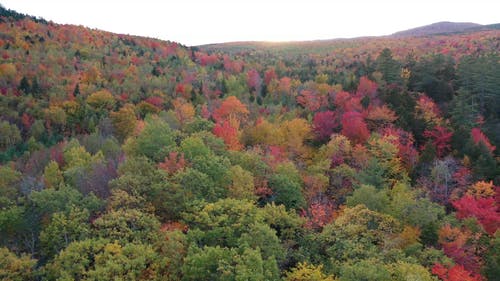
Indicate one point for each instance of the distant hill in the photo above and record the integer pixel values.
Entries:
(438, 28)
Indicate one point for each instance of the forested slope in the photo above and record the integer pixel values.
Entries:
(131, 158)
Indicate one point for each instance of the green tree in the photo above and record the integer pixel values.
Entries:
(126, 226)
(373, 199)
(103, 260)
(52, 175)
(155, 141)
(63, 229)
(9, 135)
(242, 184)
(389, 67)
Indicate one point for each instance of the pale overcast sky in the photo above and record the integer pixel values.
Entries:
(194, 22)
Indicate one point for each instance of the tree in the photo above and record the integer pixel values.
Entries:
(231, 110)
(367, 195)
(14, 268)
(9, 135)
(101, 100)
(217, 263)
(389, 67)
(242, 183)
(286, 185)
(354, 127)
(101, 259)
(52, 175)
(324, 124)
(454, 273)
(9, 180)
(483, 209)
(127, 226)
(357, 234)
(228, 133)
(64, 229)
(307, 272)
(441, 138)
(479, 137)
(155, 141)
(124, 121)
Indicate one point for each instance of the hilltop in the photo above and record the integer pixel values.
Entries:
(437, 28)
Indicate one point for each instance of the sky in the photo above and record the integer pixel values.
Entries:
(197, 22)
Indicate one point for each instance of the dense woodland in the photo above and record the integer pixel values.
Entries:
(129, 158)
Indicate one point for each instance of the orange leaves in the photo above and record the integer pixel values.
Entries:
(173, 163)
(7, 70)
(229, 134)
(482, 189)
(231, 110)
(228, 116)
(381, 116)
(184, 111)
(319, 215)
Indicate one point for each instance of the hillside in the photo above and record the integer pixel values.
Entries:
(437, 28)
(125, 157)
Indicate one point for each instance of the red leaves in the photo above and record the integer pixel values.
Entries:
(206, 59)
(454, 273)
(229, 134)
(319, 215)
(484, 209)
(479, 137)
(366, 87)
(311, 100)
(156, 101)
(253, 79)
(354, 127)
(269, 75)
(441, 139)
(324, 123)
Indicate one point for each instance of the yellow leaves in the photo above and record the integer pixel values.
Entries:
(70, 107)
(262, 133)
(294, 133)
(56, 115)
(184, 111)
(7, 70)
(124, 121)
(410, 235)
(405, 73)
(482, 189)
(308, 272)
(428, 110)
(113, 248)
(102, 99)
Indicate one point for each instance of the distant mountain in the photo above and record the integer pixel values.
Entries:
(438, 28)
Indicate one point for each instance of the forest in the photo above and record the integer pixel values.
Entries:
(131, 158)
